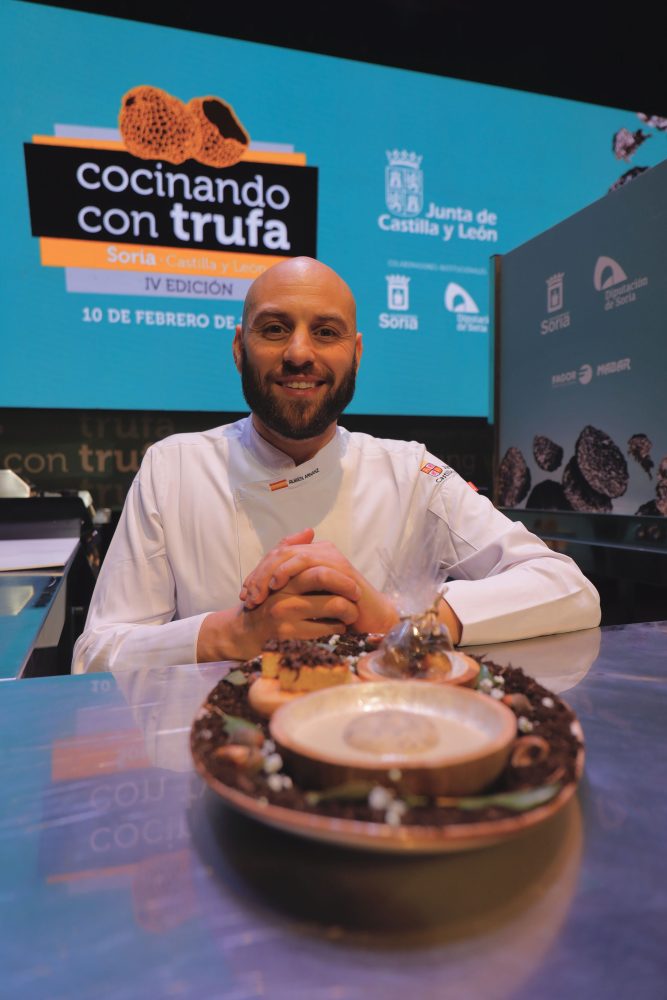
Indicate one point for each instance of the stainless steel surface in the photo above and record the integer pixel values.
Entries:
(32, 614)
(122, 877)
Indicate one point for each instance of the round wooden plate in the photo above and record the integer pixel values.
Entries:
(411, 839)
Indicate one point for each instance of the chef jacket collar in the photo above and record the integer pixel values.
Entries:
(269, 458)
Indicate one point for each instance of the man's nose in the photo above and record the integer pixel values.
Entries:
(299, 348)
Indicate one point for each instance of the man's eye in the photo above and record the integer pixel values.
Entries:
(273, 330)
(327, 333)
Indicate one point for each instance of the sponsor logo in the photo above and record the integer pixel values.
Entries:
(564, 378)
(558, 320)
(613, 367)
(398, 292)
(403, 183)
(585, 373)
(458, 300)
(610, 278)
(398, 300)
(608, 272)
(281, 484)
(461, 302)
(390, 321)
(404, 199)
(555, 292)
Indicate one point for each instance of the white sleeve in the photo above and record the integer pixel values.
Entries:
(505, 582)
(130, 621)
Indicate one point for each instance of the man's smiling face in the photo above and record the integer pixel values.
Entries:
(298, 350)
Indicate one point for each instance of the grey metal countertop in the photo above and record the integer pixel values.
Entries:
(121, 876)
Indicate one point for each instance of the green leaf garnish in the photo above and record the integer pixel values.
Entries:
(521, 801)
(351, 791)
(234, 725)
(483, 675)
(236, 677)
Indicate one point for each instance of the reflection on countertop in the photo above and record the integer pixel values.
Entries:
(164, 701)
(559, 662)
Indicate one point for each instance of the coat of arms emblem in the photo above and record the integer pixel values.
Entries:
(404, 183)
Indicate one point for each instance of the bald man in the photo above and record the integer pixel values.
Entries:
(276, 524)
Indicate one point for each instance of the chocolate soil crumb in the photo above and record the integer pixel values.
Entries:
(552, 722)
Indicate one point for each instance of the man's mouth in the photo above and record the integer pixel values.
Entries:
(299, 384)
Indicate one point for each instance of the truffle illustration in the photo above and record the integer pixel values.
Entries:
(223, 138)
(628, 176)
(653, 121)
(513, 479)
(601, 463)
(548, 495)
(580, 495)
(661, 496)
(649, 509)
(626, 143)
(639, 448)
(155, 125)
(547, 453)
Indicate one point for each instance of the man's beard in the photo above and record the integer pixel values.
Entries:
(295, 419)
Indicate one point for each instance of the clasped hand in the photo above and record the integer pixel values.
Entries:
(300, 583)
(300, 590)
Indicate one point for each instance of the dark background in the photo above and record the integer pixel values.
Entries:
(597, 52)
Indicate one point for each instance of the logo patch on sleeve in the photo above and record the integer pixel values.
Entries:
(281, 484)
(439, 472)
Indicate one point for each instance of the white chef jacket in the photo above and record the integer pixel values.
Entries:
(205, 507)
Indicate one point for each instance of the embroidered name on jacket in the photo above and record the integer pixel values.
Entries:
(282, 484)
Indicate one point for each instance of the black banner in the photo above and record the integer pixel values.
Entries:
(108, 196)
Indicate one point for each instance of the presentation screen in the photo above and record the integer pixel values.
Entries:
(150, 174)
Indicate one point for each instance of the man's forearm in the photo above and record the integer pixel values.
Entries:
(223, 637)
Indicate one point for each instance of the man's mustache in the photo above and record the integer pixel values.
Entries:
(307, 368)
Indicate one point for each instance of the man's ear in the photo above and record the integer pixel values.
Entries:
(237, 347)
(358, 349)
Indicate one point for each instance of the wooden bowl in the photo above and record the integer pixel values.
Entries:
(430, 739)
(464, 670)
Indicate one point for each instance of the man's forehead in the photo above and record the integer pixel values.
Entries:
(302, 279)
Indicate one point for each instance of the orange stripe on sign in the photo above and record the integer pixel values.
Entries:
(161, 260)
(100, 753)
(250, 155)
(62, 140)
(280, 485)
